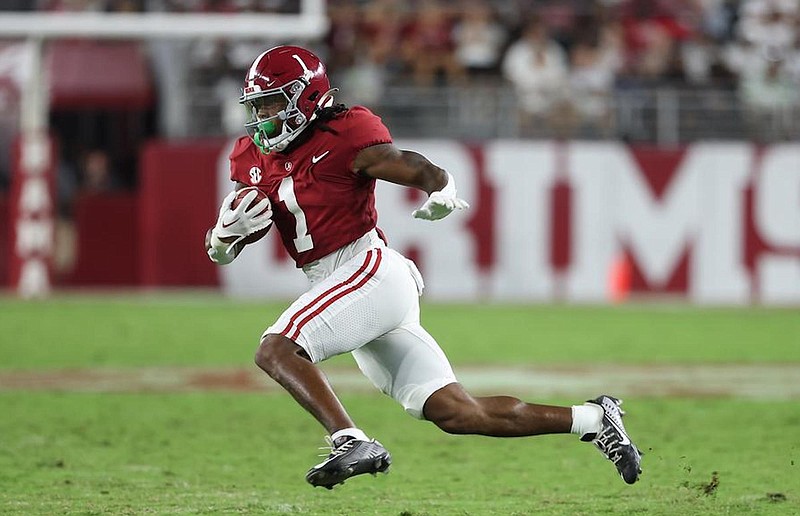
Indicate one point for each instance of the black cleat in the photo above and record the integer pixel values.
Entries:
(349, 457)
(613, 440)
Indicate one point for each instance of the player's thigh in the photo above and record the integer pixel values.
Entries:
(407, 364)
(363, 299)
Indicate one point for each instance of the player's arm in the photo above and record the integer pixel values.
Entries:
(408, 168)
(224, 240)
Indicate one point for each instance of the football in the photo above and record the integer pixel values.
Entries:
(241, 194)
(258, 235)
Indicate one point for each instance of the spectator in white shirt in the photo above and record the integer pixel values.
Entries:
(537, 68)
(479, 39)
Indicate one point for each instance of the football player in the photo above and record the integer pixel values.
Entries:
(318, 161)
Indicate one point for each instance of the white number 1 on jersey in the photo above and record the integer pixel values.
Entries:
(303, 241)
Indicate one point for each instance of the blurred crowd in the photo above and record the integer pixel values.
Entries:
(563, 58)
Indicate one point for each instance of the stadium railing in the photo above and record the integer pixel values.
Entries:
(664, 116)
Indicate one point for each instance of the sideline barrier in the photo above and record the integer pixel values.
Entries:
(707, 223)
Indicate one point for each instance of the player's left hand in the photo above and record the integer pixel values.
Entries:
(441, 203)
(439, 206)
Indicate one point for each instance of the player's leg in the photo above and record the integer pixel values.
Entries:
(455, 411)
(352, 452)
(336, 316)
(598, 421)
(408, 364)
(289, 365)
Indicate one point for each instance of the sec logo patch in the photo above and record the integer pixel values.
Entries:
(255, 175)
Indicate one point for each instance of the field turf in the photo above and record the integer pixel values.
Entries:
(211, 451)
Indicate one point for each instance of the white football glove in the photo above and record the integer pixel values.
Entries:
(234, 225)
(441, 203)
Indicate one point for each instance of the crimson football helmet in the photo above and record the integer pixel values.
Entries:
(282, 90)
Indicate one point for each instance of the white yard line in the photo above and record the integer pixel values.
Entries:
(753, 381)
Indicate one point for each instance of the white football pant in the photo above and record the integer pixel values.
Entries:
(364, 299)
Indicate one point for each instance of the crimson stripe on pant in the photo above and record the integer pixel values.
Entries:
(325, 294)
(364, 279)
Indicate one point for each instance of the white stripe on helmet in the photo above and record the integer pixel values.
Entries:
(307, 74)
(251, 74)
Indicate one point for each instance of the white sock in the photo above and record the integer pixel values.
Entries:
(352, 432)
(586, 419)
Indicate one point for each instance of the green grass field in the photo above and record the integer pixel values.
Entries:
(213, 451)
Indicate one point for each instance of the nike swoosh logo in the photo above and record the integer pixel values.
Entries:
(624, 441)
(315, 159)
(229, 225)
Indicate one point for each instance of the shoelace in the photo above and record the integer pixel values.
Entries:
(608, 442)
(333, 451)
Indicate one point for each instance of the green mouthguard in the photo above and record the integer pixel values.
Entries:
(264, 129)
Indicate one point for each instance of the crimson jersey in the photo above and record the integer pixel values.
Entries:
(319, 204)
